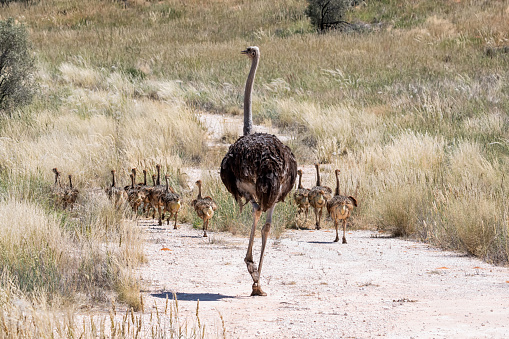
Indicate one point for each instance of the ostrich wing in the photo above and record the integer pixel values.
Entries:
(259, 168)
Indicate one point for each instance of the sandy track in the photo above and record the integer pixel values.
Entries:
(370, 287)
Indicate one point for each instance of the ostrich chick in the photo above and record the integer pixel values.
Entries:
(170, 201)
(116, 194)
(339, 208)
(204, 207)
(318, 197)
(301, 197)
(57, 191)
(70, 195)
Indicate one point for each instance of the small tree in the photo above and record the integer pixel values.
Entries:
(328, 14)
(16, 66)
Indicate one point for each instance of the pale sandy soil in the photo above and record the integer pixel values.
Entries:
(370, 287)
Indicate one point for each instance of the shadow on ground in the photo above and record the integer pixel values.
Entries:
(192, 296)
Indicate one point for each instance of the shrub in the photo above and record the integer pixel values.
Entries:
(16, 66)
(327, 14)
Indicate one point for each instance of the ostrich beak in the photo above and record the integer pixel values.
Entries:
(244, 52)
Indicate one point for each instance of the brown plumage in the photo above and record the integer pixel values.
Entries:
(57, 190)
(70, 194)
(301, 196)
(339, 208)
(204, 207)
(170, 202)
(154, 197)
(116, 194)
(259, 168)
(134, 194)
(145, 190)
(318, 197)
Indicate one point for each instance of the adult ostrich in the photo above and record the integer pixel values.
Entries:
(259, 168)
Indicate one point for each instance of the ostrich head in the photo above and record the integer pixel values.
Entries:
(252, 52)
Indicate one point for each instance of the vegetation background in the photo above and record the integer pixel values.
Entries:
(410, 101)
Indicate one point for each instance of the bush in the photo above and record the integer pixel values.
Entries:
(16, 66)
(327, 14)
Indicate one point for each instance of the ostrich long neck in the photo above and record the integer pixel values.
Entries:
(300, 181)
(199, 190)
(70, 181)
(318, 182)
(337, 184)
(167, 185)
(112, 179)
(158, 176)
(248, 115)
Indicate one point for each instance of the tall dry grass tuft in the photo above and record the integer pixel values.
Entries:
(34, 250)
(399, 209)
(65, 257)
(21, 320)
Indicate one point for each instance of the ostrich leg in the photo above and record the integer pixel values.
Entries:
(337, 234)
(205, 227)
(316, 218)
(319, 218)
(251, 266)
(265, 235)
(344, 231)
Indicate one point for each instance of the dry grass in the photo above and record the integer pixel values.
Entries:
(23, 321)
(414, 113)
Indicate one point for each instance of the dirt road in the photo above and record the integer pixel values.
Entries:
(370, 287)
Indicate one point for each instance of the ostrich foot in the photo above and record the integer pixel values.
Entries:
(257, 291)
(318, 227)
(160, 222)
(344, 240)
(204, 234)
(337, 239)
